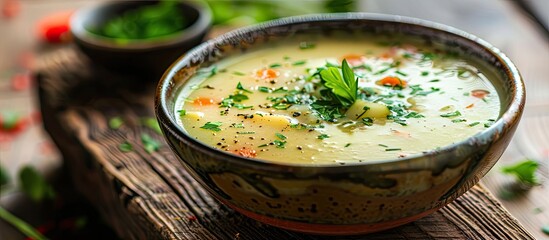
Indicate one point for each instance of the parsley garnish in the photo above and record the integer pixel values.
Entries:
(299, 63)
(240, 87)
(459, 120)
(149, 143)
(275, 65)
(182, 112)
(263, 89)
(116, 122)
(344, 86)
(348, 144)
(452, 114)
(306, 45)
(474, 124)
(524, 172)
(323, 136)
(125, 147)
(279, 135)
(214, 126)
(279, 144)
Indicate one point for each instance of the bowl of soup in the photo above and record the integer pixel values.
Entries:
(139, 38)
(340, 124)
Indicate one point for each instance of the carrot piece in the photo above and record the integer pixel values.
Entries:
(203, 101)
(267, 74)
(470, 105)
(479, 93)
(353, 59)
(247, 152)
(392, 81)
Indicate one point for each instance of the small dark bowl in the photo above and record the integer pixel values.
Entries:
(139, 57)
(350, 199)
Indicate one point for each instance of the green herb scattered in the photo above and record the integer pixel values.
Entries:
(392, 149)
(152, 124)
(214, 126)
(474, 124)
(368, 121)
(424, 73)
(238, 73)
(347, 145)
(452, 114)
(299, 63)
(306, 45)
(35, 185)
(263, 89)
(323, 136)
(149, 143)
(383, 145)
(279, 135)
(545, 229)
(115, 122)
(459, 120)
(240, 87)
(435, 80)
(125, 147)
(524, 172)
(182, 112)
(275, 65)
(279, 144)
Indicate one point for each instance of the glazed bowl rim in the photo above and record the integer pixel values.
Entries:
(509, 117)
(81, 32)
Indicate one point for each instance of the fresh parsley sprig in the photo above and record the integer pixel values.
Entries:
(343, 84)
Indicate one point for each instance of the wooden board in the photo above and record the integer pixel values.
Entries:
(151, 196)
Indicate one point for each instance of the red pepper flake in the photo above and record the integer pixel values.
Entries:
(191, 218)
(470, 105)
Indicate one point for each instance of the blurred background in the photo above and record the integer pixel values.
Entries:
(31, 28)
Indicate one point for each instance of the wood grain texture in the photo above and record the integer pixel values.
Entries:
(151, 196)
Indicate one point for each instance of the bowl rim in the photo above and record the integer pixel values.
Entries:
(80, 32)
(510, 117)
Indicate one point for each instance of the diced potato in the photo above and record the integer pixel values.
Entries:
(374, 110)
(277, 121)
(193, 116)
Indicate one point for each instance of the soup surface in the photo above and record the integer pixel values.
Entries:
(298, 101)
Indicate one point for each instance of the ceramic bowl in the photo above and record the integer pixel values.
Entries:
(349, 199)
(140, 57)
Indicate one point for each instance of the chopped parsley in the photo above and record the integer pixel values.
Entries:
(240, 87)
(306, 45)
(182, 112)
(125, 147)
(474, 124)
(347, 145)
(115, 122)
(299, 63)
(214, 126)
(452, 114)
(263, 89)
(323, 136)
(459, 120)
(275, 65)
(279, 144)
(149, 143)
(524, 172)
(279, 135)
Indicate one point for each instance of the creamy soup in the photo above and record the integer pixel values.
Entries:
(338, 101)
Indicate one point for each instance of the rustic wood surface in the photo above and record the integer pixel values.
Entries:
(151, 196)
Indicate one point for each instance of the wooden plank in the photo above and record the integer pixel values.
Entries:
(151, 196)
